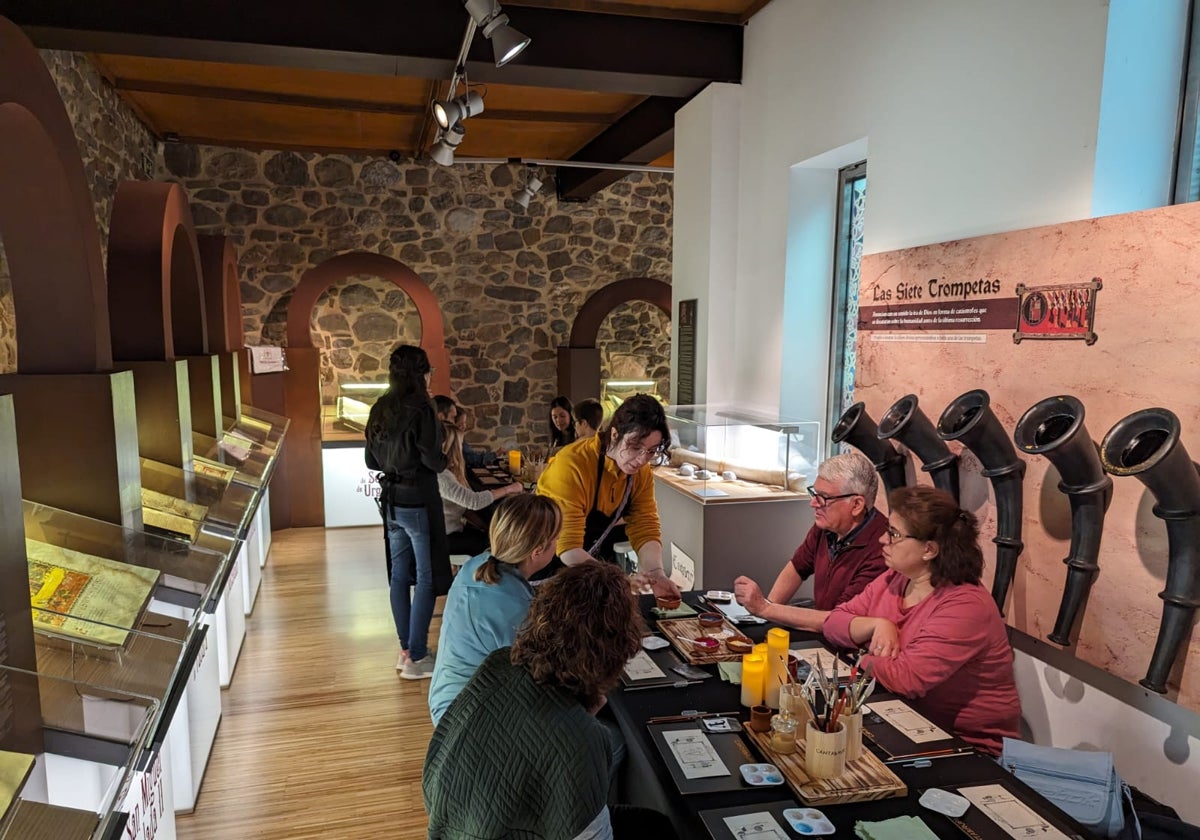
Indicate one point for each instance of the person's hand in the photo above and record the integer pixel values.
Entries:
(657, 581)
(885, 641)
(514, 488)
(749, 595)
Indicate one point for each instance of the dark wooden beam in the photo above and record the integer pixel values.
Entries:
(644, 134)
(614, 7)
(327, 103)
(571, 49)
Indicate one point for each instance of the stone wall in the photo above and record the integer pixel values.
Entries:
(509, 281)
(114, 145)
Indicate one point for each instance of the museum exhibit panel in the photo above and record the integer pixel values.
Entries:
(733, 499)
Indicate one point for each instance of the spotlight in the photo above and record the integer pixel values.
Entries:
(507, 43)
(528, 191)
(454, 111)
(443, 151)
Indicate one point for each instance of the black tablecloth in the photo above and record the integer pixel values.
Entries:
(644, 779)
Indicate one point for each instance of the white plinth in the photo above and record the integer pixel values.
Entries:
(229, 622)
(252, 571)
(194, 728)
(350, 488)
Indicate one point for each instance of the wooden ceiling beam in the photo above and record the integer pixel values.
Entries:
(352, 105)
(644, 134)
(571, 49)
(613, 7)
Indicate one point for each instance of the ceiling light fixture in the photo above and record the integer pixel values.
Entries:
(507, 43)
(454, 111)
(443, 150)
(527, 192)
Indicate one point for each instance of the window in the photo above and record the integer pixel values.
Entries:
(852, 199)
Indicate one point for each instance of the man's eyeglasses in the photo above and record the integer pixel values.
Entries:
(895, 536)
(823, 499)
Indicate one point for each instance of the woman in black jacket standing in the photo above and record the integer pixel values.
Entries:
(404, 441)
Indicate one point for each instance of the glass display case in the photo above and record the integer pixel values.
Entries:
(727, 453)
(346, 418)
(261, 426)
(180, 504)
(68, 779)
(233, 457)
(613, 392)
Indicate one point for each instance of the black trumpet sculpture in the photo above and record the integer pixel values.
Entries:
(1054, 428)
(1146, 445)
(856, 428)
(969, 420)
(905, 422)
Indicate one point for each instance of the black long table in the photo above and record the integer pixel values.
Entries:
(645, 780)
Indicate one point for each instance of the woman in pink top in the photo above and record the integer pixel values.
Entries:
(930, 630)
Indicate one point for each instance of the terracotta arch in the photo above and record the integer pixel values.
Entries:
(222, 294)
(579, 361)
(301, 391)
(603, 301)
(316, 281)
(49, 224)
(155, 286)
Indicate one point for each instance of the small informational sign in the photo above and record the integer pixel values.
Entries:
(267, 359)
(685, 382)
(683, 569)
(146, 803)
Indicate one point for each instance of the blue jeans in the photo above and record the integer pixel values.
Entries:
(408, 537)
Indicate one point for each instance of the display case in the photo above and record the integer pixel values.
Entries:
(722, 454)
(346, 418)
(181, 504)
(90, 739)
(613, 392)
(263, 427)
(732, 498)
(233, 457)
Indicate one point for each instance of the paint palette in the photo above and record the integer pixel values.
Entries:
(808, 821)
(761, 775)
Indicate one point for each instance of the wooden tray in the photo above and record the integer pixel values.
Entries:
(678, 629)
(865, 779)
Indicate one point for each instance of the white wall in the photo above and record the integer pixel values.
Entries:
(980, 116)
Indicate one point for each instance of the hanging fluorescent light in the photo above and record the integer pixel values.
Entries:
(507, 43)
(527, 192)
(443, 150)
(453, 111)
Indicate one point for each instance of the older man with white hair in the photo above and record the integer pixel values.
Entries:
(842, 551)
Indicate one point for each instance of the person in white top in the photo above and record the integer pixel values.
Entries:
(458, 498)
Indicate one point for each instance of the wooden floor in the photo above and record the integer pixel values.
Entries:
(320, 738)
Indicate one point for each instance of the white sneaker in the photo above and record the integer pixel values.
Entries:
(402, 660)
(422, 669)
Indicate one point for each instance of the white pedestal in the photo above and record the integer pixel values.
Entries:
(252, 570)
(229, 622)
(194, 729)
(350, 488)
(264, 523)
(149, 802)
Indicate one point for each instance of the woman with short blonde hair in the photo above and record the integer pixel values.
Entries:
(491, 595)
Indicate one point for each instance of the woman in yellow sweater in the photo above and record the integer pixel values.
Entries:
(604, 487)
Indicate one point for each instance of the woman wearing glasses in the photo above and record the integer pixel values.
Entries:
(605, 490)
(930, 630)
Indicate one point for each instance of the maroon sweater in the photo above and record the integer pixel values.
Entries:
(857, 560)
(954, 655)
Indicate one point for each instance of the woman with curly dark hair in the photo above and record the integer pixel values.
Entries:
(519, 752)
(930, 629)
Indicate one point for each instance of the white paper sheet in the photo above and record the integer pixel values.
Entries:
(642, 667)
(1016, 818)
(758, 826)
(809, 655)
(695, 754)
(915, 727)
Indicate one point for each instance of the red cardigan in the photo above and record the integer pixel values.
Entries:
(954, 655)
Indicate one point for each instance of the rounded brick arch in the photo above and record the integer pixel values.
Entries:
(222, 293)
(155, 284)
(48, 223)
(317, 280)
(603, 301)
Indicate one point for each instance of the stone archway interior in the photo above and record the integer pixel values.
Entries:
(357, 323)
(634, 341)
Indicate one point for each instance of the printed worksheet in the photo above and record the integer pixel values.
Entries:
(900, 715)
(760, 826)
(1016, 818)
(695, 754)
(642, 667)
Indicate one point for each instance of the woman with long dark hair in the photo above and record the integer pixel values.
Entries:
(404, 442)
(929, 628)
(562, 424)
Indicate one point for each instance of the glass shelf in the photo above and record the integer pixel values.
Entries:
(263, 427)
(183, 502)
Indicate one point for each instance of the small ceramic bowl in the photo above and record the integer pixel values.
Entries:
(667, 603)
(739, 644)
(711, 622)
(705, 643)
